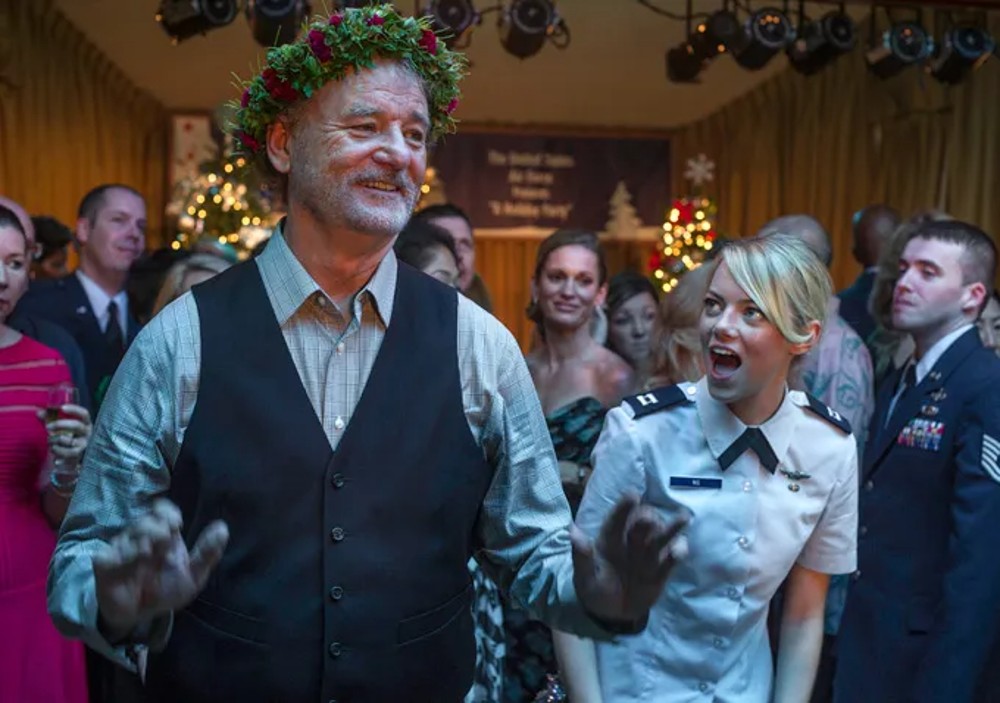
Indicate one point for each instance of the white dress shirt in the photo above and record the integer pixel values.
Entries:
(99, 301)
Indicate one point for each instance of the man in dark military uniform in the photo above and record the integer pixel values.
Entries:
(923, 612)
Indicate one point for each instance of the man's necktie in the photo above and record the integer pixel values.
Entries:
(752, 438)
(113, 332)
(905, 388)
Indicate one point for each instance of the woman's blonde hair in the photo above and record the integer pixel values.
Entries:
(784, 278)
(678, 344)
(171, 288)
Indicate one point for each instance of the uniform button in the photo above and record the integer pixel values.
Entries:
(703, 687)
(335, 649)
(340, 347)
(856, 575)
(320, 300)
(336, 593)
(337, 480)
(733, 593)
(869, 486)
(743, 542)
(339, 423)
(863, 531)
(717, 643)
(337, 534)
(747, 486)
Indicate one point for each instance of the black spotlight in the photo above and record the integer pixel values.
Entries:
(962, 49)
(767, 32)
(274, 22)
(819, 43)
(524, 25)
(683, 64)
(719, 33)
(453, 17)
(182, 19)
(903, 44)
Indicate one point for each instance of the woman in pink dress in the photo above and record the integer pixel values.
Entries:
(36, 663)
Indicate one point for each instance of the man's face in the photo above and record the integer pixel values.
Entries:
(117, 236)
(930, 295)
(461, 234)
(358, 151)
(989, 325)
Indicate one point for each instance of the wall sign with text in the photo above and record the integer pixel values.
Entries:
(512, 180)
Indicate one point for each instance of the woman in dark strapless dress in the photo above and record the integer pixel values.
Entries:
(577, 380)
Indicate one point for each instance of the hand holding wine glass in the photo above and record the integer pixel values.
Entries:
(68, 425)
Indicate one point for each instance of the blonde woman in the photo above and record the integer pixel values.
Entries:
(677, 346)
(768, 475)
(186, 274)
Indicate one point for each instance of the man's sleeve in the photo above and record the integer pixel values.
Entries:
(969, 620)
(126, 466)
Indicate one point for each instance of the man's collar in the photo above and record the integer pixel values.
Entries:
(96, 296)
(289, 285)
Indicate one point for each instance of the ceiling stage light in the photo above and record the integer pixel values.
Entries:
(903, 44)
(767, 32)
(183, 19)
(719, 33)
(683, 64)
(962, 50)
(274, 22)
(821, 42)
(525, 24)
(453, 17)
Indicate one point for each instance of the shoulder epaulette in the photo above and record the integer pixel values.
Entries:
(828, 413)
(660, 399)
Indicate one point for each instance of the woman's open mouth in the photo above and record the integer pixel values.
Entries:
(723, 362)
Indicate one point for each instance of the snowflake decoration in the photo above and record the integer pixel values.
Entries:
(699, 170)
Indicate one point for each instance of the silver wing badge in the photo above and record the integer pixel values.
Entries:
(794, 475)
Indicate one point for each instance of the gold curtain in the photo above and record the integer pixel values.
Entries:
(70, 120)
(506, 265)
(832, 143)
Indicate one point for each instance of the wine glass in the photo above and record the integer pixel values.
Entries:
(60, 395)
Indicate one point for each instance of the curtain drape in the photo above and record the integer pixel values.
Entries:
(70, 119)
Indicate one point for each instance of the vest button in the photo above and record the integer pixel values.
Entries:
(336, 593)
(337, 480)
(337, 534)
(335, 649)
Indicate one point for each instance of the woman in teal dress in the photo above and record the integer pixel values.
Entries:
(577, 380)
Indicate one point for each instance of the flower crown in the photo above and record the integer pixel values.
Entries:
(329, 47)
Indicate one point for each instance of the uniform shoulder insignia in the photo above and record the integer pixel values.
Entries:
(659, 399)
(828, 413)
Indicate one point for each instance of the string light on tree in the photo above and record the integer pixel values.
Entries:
(689, 231)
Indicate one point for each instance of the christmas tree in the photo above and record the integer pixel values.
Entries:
(225, 204)
(688, 233)
(623, 224)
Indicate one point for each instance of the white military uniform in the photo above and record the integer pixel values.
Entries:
(707, 634)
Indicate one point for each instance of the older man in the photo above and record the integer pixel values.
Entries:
(331, 475)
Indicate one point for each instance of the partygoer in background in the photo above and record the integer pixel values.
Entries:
(770, 476)
(186, 273)
(633, 320)
(39, 328)
(678, 344)
(577, 380)
(111, 235)
(989, 323)
(872, 229)
(453, 219)
(922, 617)
(53, 239)
(430, 249)
(36, 663)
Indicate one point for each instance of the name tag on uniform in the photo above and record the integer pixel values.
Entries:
(692, 482)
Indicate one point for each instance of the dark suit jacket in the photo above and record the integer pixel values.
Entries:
(923, 613)
(64, 302)
(55, 337)
(854, 305)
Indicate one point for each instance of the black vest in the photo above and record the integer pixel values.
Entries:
(345, 577)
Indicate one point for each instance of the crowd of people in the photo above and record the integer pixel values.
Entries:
(329, 473)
